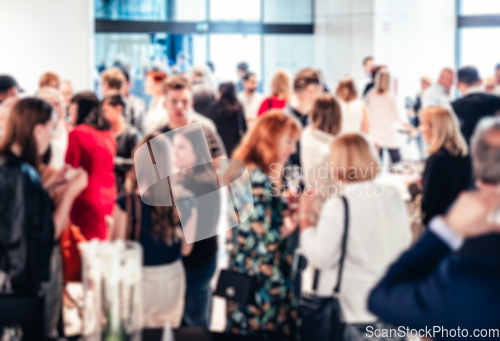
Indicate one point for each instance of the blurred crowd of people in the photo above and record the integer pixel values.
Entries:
(67, 168)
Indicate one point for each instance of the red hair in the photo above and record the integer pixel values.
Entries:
(158, 76)
(259, 146)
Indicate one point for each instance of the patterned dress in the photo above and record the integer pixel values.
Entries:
(261, 251)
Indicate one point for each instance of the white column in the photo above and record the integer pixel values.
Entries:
(48, 35)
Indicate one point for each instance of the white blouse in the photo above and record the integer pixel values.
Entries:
(352, 116)
(378, 233)
(383, 119)
(315, 153)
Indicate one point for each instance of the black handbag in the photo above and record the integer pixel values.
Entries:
(236, 287)
(323, 316)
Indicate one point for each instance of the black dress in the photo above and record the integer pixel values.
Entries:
(125, 144)
(445, 176)
(229, 126)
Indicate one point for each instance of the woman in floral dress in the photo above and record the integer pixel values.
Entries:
(261, 247)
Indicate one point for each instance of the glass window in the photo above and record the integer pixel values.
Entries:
(141, 52)
(475, 49)
(151, 10)
(286, 51)
(231, 10)
(288, 11)
(480, 7)
(227, 50)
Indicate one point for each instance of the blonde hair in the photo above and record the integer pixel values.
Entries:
(49, 94)
(445, 131)
(280, 84)
(353, 159)
(382, 81)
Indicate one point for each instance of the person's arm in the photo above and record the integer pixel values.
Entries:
(73, 153)
(417, 291)
(120, 226)
(364, 122)
(318, 244)
(191, 229)
(69, 192)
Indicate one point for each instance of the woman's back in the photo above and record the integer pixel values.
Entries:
(352, 116)
(94, 151)
(383, 118)
(378, 232)
(229, 125)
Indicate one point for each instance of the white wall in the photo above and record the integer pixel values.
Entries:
(413, 38)
(47, 35)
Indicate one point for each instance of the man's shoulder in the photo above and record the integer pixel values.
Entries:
(205, 121)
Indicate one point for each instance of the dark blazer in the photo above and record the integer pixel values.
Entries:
(431, 286)
(228, 126)
(472, 108)
(444, 177)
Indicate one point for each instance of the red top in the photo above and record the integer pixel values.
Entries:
(275, 104)
(93, 150)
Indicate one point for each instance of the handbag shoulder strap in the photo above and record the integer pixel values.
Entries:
(343, 245)
(343, 248)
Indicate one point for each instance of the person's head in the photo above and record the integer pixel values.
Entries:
(112, 108)
(382, 81)
(446, 78)
(368, 65)
(272, 140)
(125, 89)
(8, 87)
(280, 84)
(468, 77)
(307, 87)
(178, 99)
(29, 130)
(55, 99)
(49, 79)
(250, 82)
(199, 75)
(228, 104)
(188, 145)
(242, 69)
(440, 129)
(111, 80)
(84, 108)
(485, 152)
(66, 90)
(346, 90)
(154, 83)
(5, 109)
(326, 115)
(425, 82)
(497, 74)
(353, 159)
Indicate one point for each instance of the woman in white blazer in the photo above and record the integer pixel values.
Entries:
(378, 232)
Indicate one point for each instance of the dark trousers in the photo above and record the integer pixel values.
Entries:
(394, 153)
(198, 302)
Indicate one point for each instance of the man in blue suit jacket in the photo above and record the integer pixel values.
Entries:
(448, 284)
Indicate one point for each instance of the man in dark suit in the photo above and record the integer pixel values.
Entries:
(435, 288)
(475, 104)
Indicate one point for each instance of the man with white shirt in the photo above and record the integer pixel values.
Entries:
(475, 103)
(368, 75)
(438, 94)
(449, 279)
(250, 98)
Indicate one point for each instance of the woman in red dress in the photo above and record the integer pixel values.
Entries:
(280, 89)
(92, 146)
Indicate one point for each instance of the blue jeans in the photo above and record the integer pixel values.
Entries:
(198, 303)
